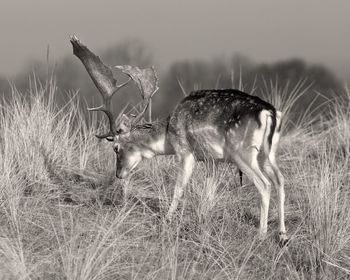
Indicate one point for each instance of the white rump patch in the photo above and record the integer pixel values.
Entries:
(275, 137)
(258, 134)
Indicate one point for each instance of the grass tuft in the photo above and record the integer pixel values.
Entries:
(64, 215)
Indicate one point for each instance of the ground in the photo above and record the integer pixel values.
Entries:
(64, 215)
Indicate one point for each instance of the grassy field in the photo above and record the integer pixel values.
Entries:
(64, 215)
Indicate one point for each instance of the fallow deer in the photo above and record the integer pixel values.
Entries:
(224, 125)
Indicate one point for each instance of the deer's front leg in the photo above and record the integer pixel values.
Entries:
(185, 172)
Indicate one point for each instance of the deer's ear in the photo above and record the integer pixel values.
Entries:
(124, 124)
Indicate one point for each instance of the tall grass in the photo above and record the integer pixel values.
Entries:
(63, 215)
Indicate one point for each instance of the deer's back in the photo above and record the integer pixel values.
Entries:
(205, 121)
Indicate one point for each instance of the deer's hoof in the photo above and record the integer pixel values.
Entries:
(282, 239)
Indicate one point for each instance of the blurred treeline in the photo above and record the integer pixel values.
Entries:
(180, 77)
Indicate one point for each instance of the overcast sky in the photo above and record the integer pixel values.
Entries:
(265, 30)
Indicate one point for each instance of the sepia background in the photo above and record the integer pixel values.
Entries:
(196, 43)
(63, 212)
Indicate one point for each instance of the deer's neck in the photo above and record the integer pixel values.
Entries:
(156, 142)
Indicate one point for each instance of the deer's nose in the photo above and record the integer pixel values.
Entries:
(121, 174)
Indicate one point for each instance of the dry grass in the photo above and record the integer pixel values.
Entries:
(63, 215)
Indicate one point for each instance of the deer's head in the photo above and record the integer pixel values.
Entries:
(127, 146)
(122, 129)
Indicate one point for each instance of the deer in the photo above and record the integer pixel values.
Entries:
(225, 125)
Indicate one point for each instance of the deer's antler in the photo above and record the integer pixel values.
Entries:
(147, 83)
(102, 76)
(103, 79)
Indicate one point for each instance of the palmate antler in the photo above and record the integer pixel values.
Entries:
(103, 78)
(147, 83)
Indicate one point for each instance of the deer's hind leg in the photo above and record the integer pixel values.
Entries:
(248, 162)
(272, 171)
(247, 144)
(275, 175)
